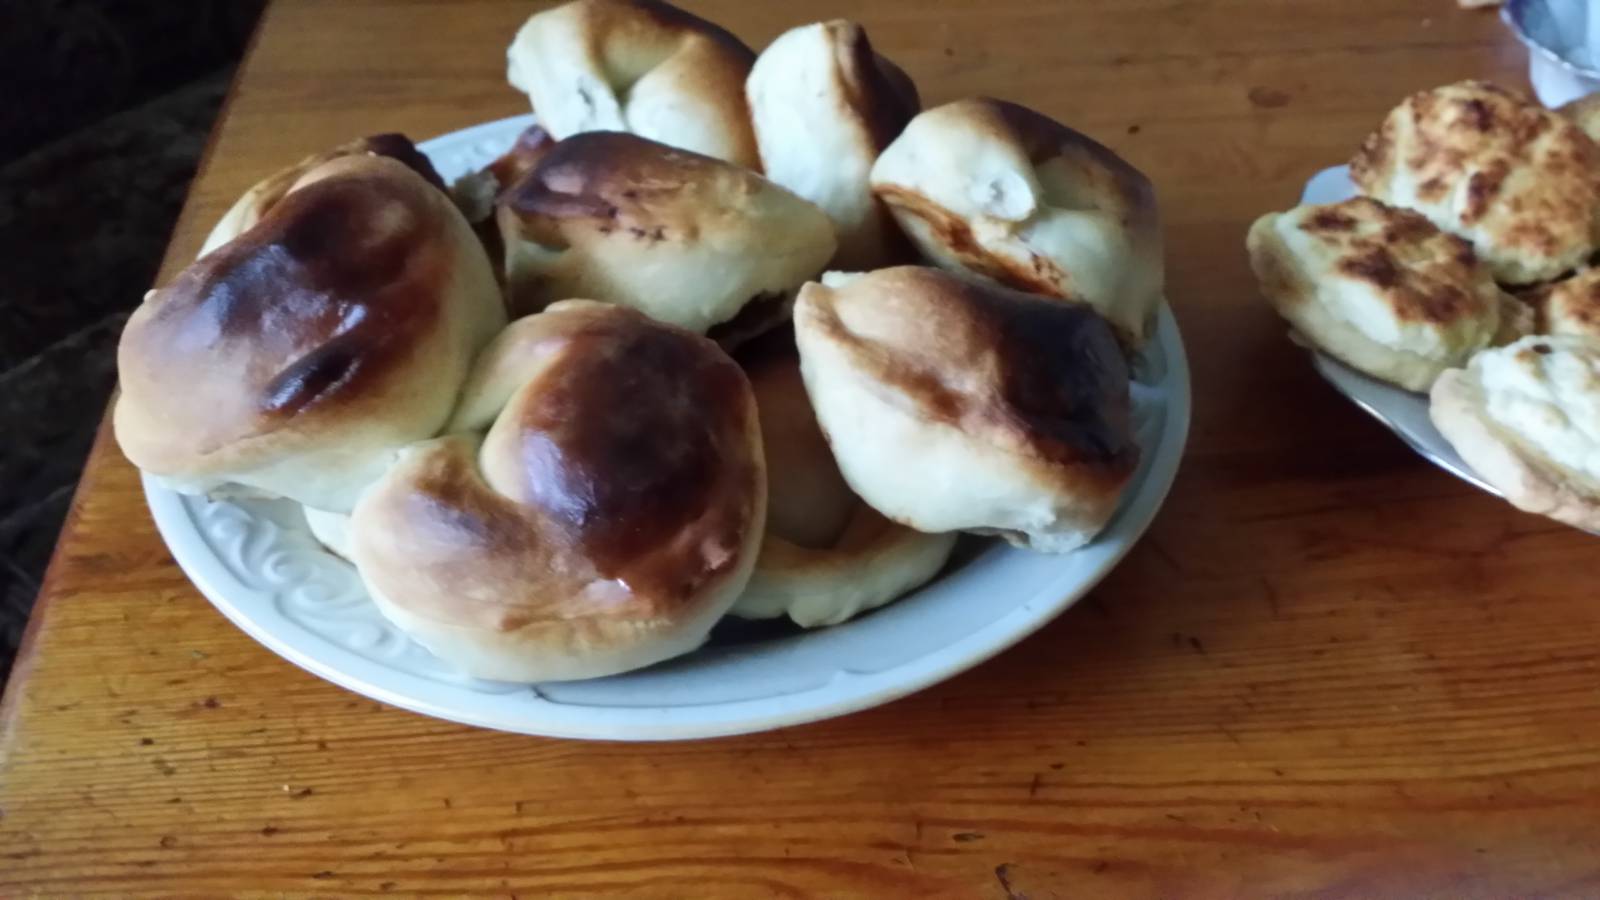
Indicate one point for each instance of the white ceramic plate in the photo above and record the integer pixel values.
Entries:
(259, 565)
(1404, 412)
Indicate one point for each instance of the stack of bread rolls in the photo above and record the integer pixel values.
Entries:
(1464, 272)
(723, 333)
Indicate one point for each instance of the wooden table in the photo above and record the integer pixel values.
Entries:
(1329, 670)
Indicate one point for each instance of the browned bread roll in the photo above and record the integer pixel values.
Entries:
(1518, 181)
(640, 66)
(597, 507)
(824, 106)
(998, 190)
(293, 359)
(954, 404)
(685, 238)
(1382, 289)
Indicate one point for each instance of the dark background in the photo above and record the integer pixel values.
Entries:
(104, 110)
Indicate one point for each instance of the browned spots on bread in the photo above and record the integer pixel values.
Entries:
(1328, 219)
(1374, 264)
(1477, 115)
(1373, 156)
(1048, 373)
(1483, 186)
(660, 463)
(1432, 190)
(331, 288)
(1064, 377)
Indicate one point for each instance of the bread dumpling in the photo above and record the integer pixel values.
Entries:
(953, 404)
(1000, 191)
(684, 238)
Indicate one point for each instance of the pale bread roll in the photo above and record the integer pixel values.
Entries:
(597, 506)
(1526, 418)
(954, 404)
(640, 66)
(292, 360)
(687, 239)
(1379, 288)
(826, 556)
(824, 105)
(1518, 181)
(998, 190)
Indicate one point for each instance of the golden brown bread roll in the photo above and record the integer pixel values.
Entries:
(998, 190)
(824, 106)
(1518, 181)
(293, 359)
(597, 507)
(685, 238)
(954, 404)
(640, 66)
(1382, 289)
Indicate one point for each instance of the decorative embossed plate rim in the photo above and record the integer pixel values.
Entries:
(257, 563)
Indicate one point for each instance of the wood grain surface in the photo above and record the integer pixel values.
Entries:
(1328, 671)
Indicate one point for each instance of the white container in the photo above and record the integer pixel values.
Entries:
(1563, 38)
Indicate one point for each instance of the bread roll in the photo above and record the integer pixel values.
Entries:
(957, 405)
(685, 238)
(640, 66)
(1570, 307)
(1379, 288)
(254, 204)
(826, 556)
(1526, 418)
(597, 506)
(1515, 179)
(996, 189)
(824, 106)
(293, 359)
